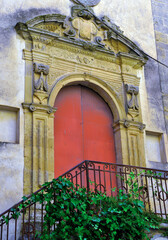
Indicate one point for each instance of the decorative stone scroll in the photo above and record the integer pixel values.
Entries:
(41, 83)
(132, 100)
(133, 91)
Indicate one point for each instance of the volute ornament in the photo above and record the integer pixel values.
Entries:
(85, 14)
(98, 40)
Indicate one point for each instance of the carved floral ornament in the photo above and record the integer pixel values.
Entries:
(83, 28)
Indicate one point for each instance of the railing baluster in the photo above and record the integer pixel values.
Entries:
(16, 229)
(29, 224)
(158, 196)
(166, 186)
(94, 176)
(125, 177)
(23, 227)
(99, 178)
(76, 178)
(142, 185)
(163, 195)
(104, 178)
(81, 182)
(7, 235)
(153, 194)
(147, 190)
(42, 205)
(110, 173)
(1, 230)
(34, 230)
(87, 177)
(121, 176)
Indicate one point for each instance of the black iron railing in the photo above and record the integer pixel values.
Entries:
(96, 176)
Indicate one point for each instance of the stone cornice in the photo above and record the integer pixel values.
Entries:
(81, 31)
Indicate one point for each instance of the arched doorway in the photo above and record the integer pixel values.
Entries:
(82, 128)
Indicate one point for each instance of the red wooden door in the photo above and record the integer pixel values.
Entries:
(82, 129)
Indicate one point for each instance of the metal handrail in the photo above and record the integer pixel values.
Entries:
(104, 177)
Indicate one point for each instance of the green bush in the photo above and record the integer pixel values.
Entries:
(78, 214)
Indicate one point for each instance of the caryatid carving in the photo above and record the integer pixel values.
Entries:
(41, 84)
(133, 102)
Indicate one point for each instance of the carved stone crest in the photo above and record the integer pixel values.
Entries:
(86, 29)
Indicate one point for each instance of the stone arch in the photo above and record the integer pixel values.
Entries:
(107, 93)
(98, 85)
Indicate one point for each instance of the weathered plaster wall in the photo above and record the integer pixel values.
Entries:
(156, 107)
(11, 94)
(131, 16)
(12, 79)
(160, 16)
(134, 18)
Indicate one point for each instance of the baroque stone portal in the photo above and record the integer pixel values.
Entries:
(71, 50)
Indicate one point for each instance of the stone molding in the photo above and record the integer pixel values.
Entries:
(32, 107)
(138, 126)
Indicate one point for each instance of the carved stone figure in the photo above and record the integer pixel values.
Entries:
(41, 83)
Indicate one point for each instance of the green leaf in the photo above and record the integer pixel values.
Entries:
(24, 198)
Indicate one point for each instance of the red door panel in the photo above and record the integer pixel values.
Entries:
(68, 130)
(82, 129)
(98, 133)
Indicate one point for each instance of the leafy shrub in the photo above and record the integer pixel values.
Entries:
(82, 215)
(78, 214)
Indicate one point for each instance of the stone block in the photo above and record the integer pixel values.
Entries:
(162, 38)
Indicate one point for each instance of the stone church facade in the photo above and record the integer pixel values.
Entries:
(45, 47)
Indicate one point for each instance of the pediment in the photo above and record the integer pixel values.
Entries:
(82, 29)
